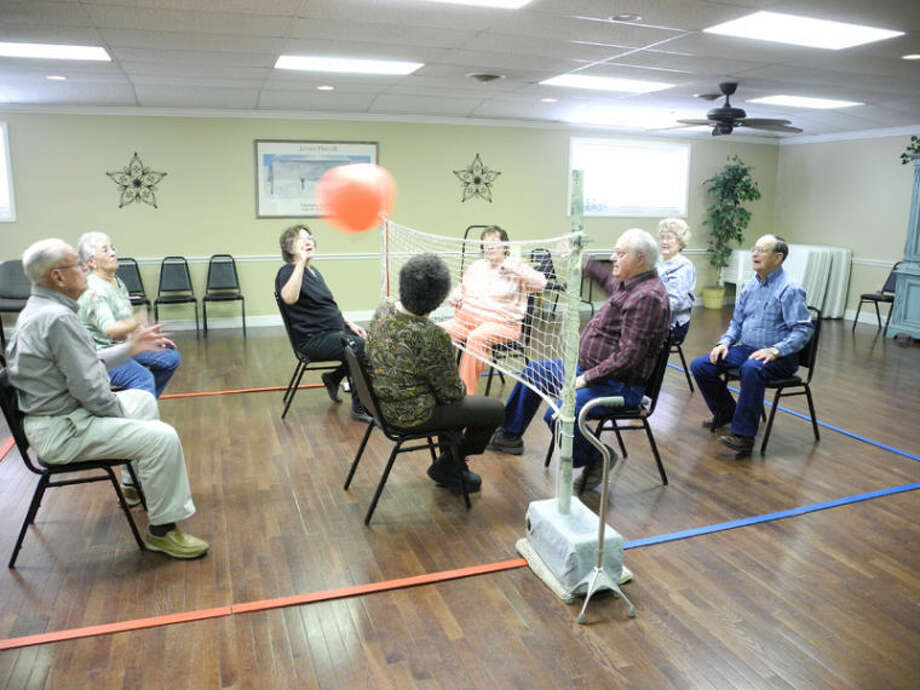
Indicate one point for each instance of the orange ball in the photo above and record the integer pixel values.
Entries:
(353, 197)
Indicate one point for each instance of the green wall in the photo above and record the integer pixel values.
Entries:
(852, 194)
(207, 199)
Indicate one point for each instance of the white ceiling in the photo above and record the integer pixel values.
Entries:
(218, 54)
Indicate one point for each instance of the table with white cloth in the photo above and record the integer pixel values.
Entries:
(823, 272)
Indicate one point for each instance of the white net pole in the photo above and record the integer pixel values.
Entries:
(565, 424)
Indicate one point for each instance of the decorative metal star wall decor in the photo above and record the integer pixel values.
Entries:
(477, 180)
(136, 182)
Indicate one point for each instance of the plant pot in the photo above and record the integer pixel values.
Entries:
(713, 297)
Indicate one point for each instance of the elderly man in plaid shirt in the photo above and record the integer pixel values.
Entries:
(769, 326)
(616, 353)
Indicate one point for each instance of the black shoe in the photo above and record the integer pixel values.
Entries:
(444, 472)
(593, 474)
(503, 442)
(332, 386)
(719, 419)
(739, 444)
(359, 413)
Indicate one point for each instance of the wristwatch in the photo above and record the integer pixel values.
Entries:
(774, 351)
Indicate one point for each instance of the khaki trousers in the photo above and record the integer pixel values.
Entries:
(140, 436)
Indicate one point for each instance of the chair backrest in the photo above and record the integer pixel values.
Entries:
(653, 387)
(14, 284)
(174, 275)
(361, 380)
(130, 275)
(10, 404)
(222, 274)
(892, 279)
(287, 321)
(809, 353)
(542, 260)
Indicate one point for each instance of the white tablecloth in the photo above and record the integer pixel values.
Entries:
(823, 272)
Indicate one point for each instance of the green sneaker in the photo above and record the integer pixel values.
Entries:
(176, 544)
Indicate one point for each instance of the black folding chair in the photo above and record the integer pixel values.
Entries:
(675, 349)
(223, 285)
(175, 286)
(304, 363)
(885, 295)
(47, 471)
(15, 288)
(130, 275)
(639, 414)
(362, 383)
(807, 357)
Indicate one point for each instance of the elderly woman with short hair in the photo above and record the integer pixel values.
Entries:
(414, 376)
(677, 273)
(106, 311)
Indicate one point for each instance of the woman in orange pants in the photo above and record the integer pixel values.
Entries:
(490, 304)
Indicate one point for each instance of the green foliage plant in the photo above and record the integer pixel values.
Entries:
(726, 217)
(912, 150)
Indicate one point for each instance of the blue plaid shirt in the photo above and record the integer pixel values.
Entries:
(770, 313)
(679, 278)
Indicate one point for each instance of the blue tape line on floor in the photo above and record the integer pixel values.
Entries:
(877, 444)
(792, 512)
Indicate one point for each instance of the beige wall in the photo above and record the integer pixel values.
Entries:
(848, 193)
(207, 199)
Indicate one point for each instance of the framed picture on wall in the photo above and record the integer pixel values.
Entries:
(287, 173)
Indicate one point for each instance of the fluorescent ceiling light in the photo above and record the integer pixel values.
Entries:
(912, 56)
(500, 4)
(582, 81)
(56, 77)
(801, 31)
(325, 87)
(309, 63)
(548, 100)
(50, 51)
(803, 102)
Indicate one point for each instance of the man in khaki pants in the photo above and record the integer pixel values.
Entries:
(70, 411)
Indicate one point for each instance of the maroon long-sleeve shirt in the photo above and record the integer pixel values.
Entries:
(625, 336)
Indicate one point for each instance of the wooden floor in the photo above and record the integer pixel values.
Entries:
(828, 599)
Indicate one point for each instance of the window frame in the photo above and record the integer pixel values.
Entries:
(679, 210)
(6, 160)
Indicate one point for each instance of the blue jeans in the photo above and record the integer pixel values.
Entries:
(547, 376)
(148, 371)
(754, 377)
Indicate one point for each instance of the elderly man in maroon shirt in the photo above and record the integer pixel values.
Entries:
(616, 353)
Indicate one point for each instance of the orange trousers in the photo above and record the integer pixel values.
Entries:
(480, 336)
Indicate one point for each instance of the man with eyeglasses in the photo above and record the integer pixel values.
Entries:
(616, 353)
(769, 326)
(71, 412)
(106, 311)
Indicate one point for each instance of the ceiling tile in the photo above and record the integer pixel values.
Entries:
(172, 96)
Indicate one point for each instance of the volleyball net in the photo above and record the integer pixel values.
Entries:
(510, 302)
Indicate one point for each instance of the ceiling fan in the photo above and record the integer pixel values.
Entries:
(725, 118)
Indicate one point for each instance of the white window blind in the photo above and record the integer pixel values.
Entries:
(624, 177)
(7, 207)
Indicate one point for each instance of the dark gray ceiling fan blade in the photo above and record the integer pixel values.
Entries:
(708, 96)
(695, 122)
(758, 121)
(769, 127)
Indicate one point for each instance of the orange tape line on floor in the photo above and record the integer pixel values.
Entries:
(205, 394)
(265, 604)
(370, 588)
(109, 628)
(5, 448)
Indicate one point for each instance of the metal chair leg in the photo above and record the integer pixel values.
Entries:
(888, 320)
(125, 509)
(204, 315)
(354, 463)
(654, 446)
(811, 409)
(30, 517)
(380, 484)
(686, 368)
(293, 391)
(766, 433)
(878, 314)
(243, 306)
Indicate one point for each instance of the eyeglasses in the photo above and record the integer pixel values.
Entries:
(761, 250)
(81, 265)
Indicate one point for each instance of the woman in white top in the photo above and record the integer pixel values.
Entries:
(677, 273)
(490, 304)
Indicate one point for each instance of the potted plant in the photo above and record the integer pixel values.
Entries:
(727, 219)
